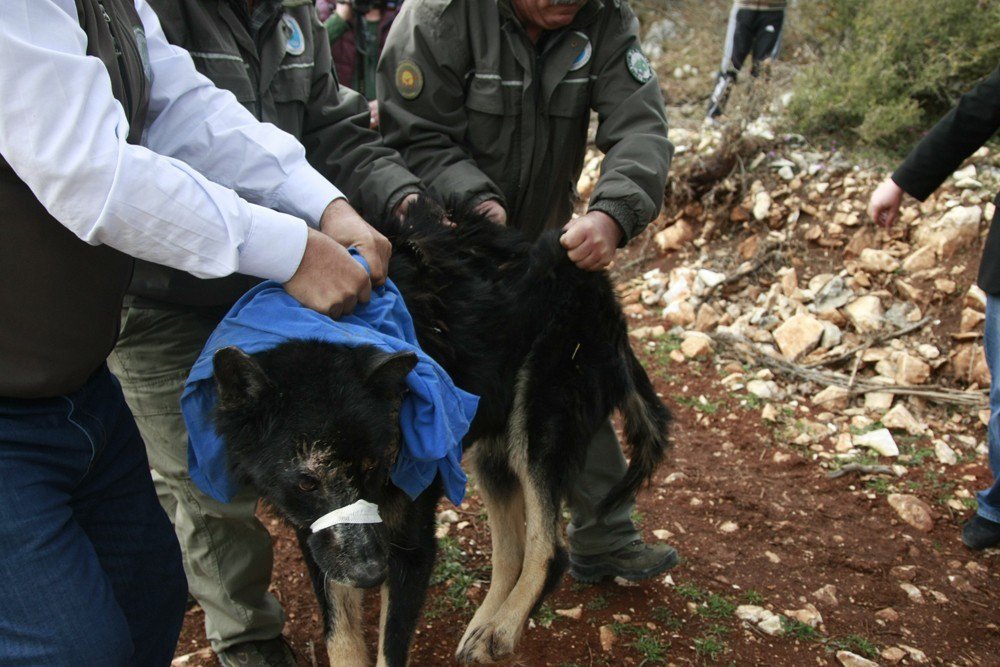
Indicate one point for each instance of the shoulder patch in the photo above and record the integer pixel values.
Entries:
(295, 41)
(638, 65)
(409, 79)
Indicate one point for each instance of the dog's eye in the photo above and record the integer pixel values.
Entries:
(308, 484)
(368, 465)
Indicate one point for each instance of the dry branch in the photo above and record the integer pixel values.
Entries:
(748, 350)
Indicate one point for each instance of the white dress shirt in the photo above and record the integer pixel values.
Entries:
(173, 200)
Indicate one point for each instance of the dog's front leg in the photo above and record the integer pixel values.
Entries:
(345, 641)
(411, 562)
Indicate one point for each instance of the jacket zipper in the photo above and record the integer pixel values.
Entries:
(120, 57)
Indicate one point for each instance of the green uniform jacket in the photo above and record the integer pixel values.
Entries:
(479, 112)
(282, 73)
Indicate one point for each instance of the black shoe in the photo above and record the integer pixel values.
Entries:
(260, 653)
(979, 533)
(634, 561)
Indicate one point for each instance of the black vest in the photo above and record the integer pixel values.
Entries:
(60, 298)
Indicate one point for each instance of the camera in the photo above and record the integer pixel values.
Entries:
(362, 6)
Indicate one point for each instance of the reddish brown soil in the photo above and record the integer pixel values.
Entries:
(822, 532)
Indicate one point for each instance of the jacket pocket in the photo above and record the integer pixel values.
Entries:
(571, 98)
(229, 73)
(292, 84)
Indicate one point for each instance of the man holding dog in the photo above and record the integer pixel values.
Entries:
(275, 58)
(489, 102)
(113, 145)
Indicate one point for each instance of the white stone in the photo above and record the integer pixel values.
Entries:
(765, 389)
(944, 453)
(916, 655)
(808, 615)
(865, 313)
(912, 510)
(751, 613)
(878, 401)
(880, 441)
(674, 237)
(848, 659)
(832, 398)
(574, 612)
(957, 228)
(921, 259)
(761, 205)
(877, 261)
(771, 626)
(901, 418)
(729, 527)
(798, 336)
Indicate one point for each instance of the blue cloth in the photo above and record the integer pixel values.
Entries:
(435, 415)
(90, 568)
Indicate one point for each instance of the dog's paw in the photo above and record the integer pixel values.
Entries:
(486, 644)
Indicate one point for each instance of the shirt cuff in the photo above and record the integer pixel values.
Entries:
(306, 194)
(622, 214)
(274, 247)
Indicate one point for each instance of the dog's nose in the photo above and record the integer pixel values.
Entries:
(369, 576)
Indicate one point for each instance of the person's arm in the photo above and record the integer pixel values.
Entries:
(427, 125)
(631, 132)
(342, 146)
(64, 134)
(205, 127)
(339, 21)
(953, 139)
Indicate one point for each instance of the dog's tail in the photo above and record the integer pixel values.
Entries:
(645, 419)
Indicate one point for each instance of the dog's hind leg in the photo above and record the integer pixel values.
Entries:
(543, 562)
(411, 562)
(504, 500)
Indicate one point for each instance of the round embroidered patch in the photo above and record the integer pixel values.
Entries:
(296, 41)
(409, 79)
(638, 65)
(583, 58)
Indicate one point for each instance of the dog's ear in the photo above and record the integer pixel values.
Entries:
(239, 379)
(387, 373)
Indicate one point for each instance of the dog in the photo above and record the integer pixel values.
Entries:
(313, 427)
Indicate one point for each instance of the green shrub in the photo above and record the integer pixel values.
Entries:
(888, 69)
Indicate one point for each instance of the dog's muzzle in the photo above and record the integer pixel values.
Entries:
(361, 511)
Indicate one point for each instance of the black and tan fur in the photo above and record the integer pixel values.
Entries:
(543, 344)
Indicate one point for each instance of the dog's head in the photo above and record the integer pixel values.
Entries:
(313, 427)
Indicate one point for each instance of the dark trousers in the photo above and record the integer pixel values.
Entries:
(752, 32)
(90, 570)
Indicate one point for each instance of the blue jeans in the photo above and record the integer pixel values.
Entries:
(989, 500)
(90, 570)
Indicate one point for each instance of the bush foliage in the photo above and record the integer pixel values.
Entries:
(888, 69)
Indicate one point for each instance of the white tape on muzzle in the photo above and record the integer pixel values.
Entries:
(360, 512)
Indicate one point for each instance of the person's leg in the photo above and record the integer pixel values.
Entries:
(768, 29)
(608, 544)
(90, 570)
(739, 41)
(227, 552)
(983, 530)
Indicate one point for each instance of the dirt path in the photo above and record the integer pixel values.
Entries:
(757, 522)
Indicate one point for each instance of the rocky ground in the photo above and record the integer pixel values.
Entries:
(828, 383)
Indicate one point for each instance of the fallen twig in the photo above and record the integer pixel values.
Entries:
(936, 393)
(861, 468)
(877, 340)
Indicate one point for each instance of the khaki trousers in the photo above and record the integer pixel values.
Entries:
(226, 551)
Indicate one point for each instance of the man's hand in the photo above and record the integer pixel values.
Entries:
(884, 204)
(591, 240)
(493, 210)
(343, 224)
(328, 279)
(404, 205)
(373, 114)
